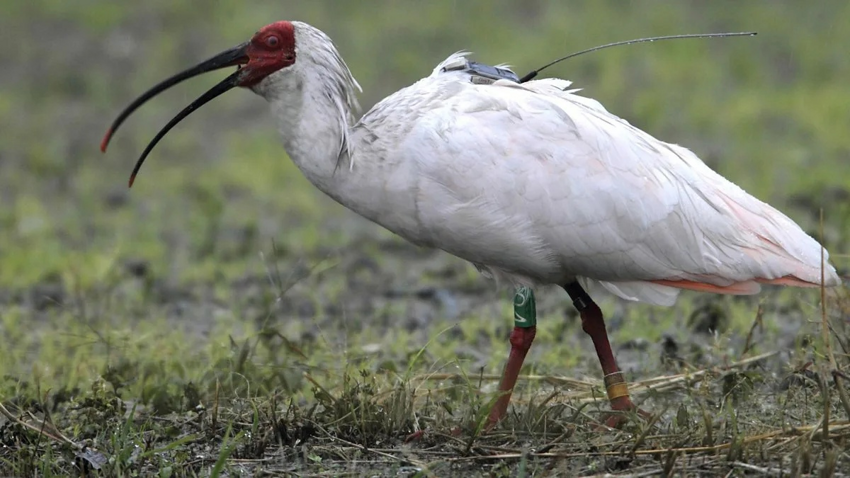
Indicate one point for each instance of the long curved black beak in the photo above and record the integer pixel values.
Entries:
(232, 57)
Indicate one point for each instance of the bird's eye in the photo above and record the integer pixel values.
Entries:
(272, 41)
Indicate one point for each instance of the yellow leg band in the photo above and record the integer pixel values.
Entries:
(615, 386)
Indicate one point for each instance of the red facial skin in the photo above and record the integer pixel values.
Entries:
(271, 49)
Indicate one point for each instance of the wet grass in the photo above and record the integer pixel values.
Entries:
(160, 402)
(223, 317)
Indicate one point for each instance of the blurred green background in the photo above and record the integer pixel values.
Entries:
(190, 245)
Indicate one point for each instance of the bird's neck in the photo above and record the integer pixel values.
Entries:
(314, 119)
(314, 107)
(314, 141)
(321, 142)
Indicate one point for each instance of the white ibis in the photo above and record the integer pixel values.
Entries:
(530, 182)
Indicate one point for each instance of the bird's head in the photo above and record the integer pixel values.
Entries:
(272, 50)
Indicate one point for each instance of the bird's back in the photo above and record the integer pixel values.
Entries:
(537, 184)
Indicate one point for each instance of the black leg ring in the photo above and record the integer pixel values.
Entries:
(581, 300)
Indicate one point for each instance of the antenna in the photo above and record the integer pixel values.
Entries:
(533, 73)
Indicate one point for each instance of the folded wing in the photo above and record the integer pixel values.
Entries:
(540, 184)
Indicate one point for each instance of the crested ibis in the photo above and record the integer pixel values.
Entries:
(527, 180)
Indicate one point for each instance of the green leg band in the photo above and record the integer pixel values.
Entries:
(525, 310)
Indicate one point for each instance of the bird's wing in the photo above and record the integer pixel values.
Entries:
(542, 183)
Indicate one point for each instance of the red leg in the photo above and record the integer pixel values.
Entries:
(525, 327)
(521, 339)
(594, 325)
(525, 321)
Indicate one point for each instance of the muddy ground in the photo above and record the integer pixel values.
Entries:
(223, 317)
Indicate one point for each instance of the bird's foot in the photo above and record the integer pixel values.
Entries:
(418, 435)
(618, 419)
(415, 436)
(621, 407)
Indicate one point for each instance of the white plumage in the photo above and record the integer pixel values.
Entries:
(532, 183)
